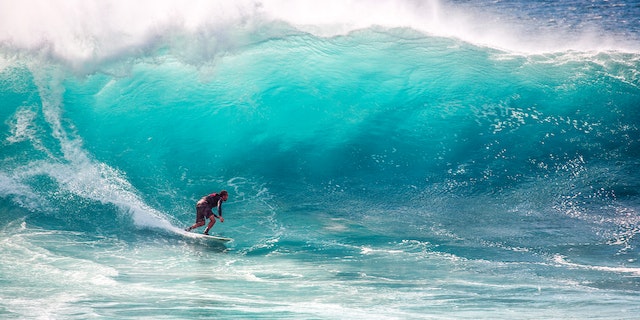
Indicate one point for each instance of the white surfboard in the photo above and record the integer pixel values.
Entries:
(201, 236)
(207, 237)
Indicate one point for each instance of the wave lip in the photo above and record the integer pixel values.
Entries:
(78, 32)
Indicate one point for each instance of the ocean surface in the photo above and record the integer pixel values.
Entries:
(385, 159)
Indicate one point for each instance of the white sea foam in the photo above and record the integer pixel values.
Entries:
(562, 260)
(77, 31)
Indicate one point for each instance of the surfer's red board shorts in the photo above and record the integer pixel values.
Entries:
(203, 211)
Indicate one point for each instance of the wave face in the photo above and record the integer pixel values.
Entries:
(380, 161)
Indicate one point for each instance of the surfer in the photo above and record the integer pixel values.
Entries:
(204, 209)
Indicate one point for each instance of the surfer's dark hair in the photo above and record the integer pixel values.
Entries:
(224, 193)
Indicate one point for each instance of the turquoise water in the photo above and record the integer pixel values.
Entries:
(381, 163)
